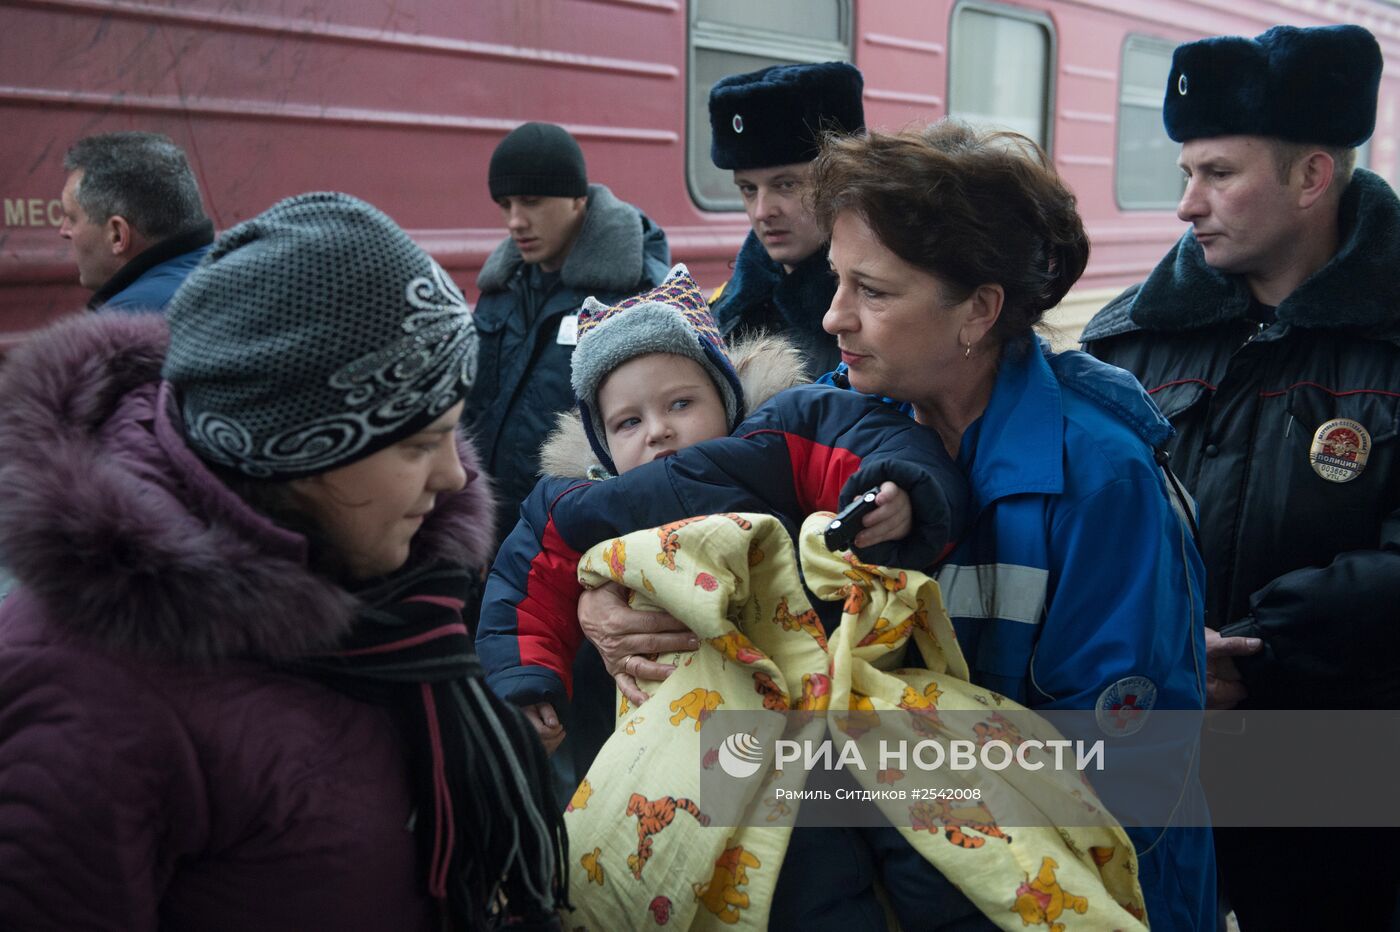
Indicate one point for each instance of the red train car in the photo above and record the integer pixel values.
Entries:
(402, 103)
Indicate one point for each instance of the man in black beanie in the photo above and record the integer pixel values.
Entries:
(766, 127)
(1270, 336)
(568, 240)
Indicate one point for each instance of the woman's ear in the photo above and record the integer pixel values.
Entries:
(983, 310)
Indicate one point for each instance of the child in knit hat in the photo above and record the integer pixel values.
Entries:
(651, 375)
(653, 381)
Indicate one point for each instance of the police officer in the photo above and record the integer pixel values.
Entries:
(1270, 336)
(766, 127)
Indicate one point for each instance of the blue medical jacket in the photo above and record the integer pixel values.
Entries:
(1080, 571)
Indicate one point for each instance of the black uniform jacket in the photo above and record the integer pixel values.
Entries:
(1299, 509)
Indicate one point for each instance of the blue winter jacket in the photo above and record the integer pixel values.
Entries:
(762, 297)
(149, 281)
(1079, 572)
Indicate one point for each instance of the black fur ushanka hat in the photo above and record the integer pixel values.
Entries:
(1315, 85)
(775, 116)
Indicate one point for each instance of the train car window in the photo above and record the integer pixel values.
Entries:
(1146, 176)
(812, 20)
(1000, 69)
(733, 36)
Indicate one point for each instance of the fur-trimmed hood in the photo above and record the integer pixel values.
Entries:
(609, 254)
(127, 540)
(1352, 291)
(766, 365)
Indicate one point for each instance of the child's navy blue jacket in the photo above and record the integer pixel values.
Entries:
(811, 448)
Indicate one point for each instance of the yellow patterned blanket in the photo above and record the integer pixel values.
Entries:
(644, 854)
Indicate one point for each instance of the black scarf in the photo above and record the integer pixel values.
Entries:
(487, 824)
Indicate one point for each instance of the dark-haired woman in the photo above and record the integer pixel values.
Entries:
(236, 688)
(1078, 586)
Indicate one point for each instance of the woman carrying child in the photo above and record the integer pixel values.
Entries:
(1077, 575)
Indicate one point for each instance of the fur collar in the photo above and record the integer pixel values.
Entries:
(1353, 290)
(608, 255)
(123, 536)
(766, 365)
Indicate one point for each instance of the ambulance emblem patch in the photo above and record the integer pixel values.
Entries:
(1122, 707)
(1340, 449)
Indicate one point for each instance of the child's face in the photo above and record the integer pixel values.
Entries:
(653, 405)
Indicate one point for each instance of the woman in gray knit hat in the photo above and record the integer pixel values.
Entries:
(236, 685)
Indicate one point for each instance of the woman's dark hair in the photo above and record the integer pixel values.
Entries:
(280, 504)
(972, 207)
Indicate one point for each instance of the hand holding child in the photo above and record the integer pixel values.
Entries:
(546, 722)
(892, 519)
(626, 638)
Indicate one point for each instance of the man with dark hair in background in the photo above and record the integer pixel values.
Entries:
(132, 210)
(1270, 336)
(766, 126)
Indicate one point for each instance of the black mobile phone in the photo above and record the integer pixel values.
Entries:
(842, 530)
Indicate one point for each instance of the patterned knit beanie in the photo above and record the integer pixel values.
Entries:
(313, 335)
(673, 317)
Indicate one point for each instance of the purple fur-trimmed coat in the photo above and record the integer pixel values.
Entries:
(155, 770)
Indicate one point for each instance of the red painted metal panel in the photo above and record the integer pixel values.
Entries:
(402, 103)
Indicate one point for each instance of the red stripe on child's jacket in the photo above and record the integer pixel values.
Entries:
(549, 610)
(819, 472)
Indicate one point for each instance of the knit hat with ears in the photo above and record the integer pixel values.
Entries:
(673, 317)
